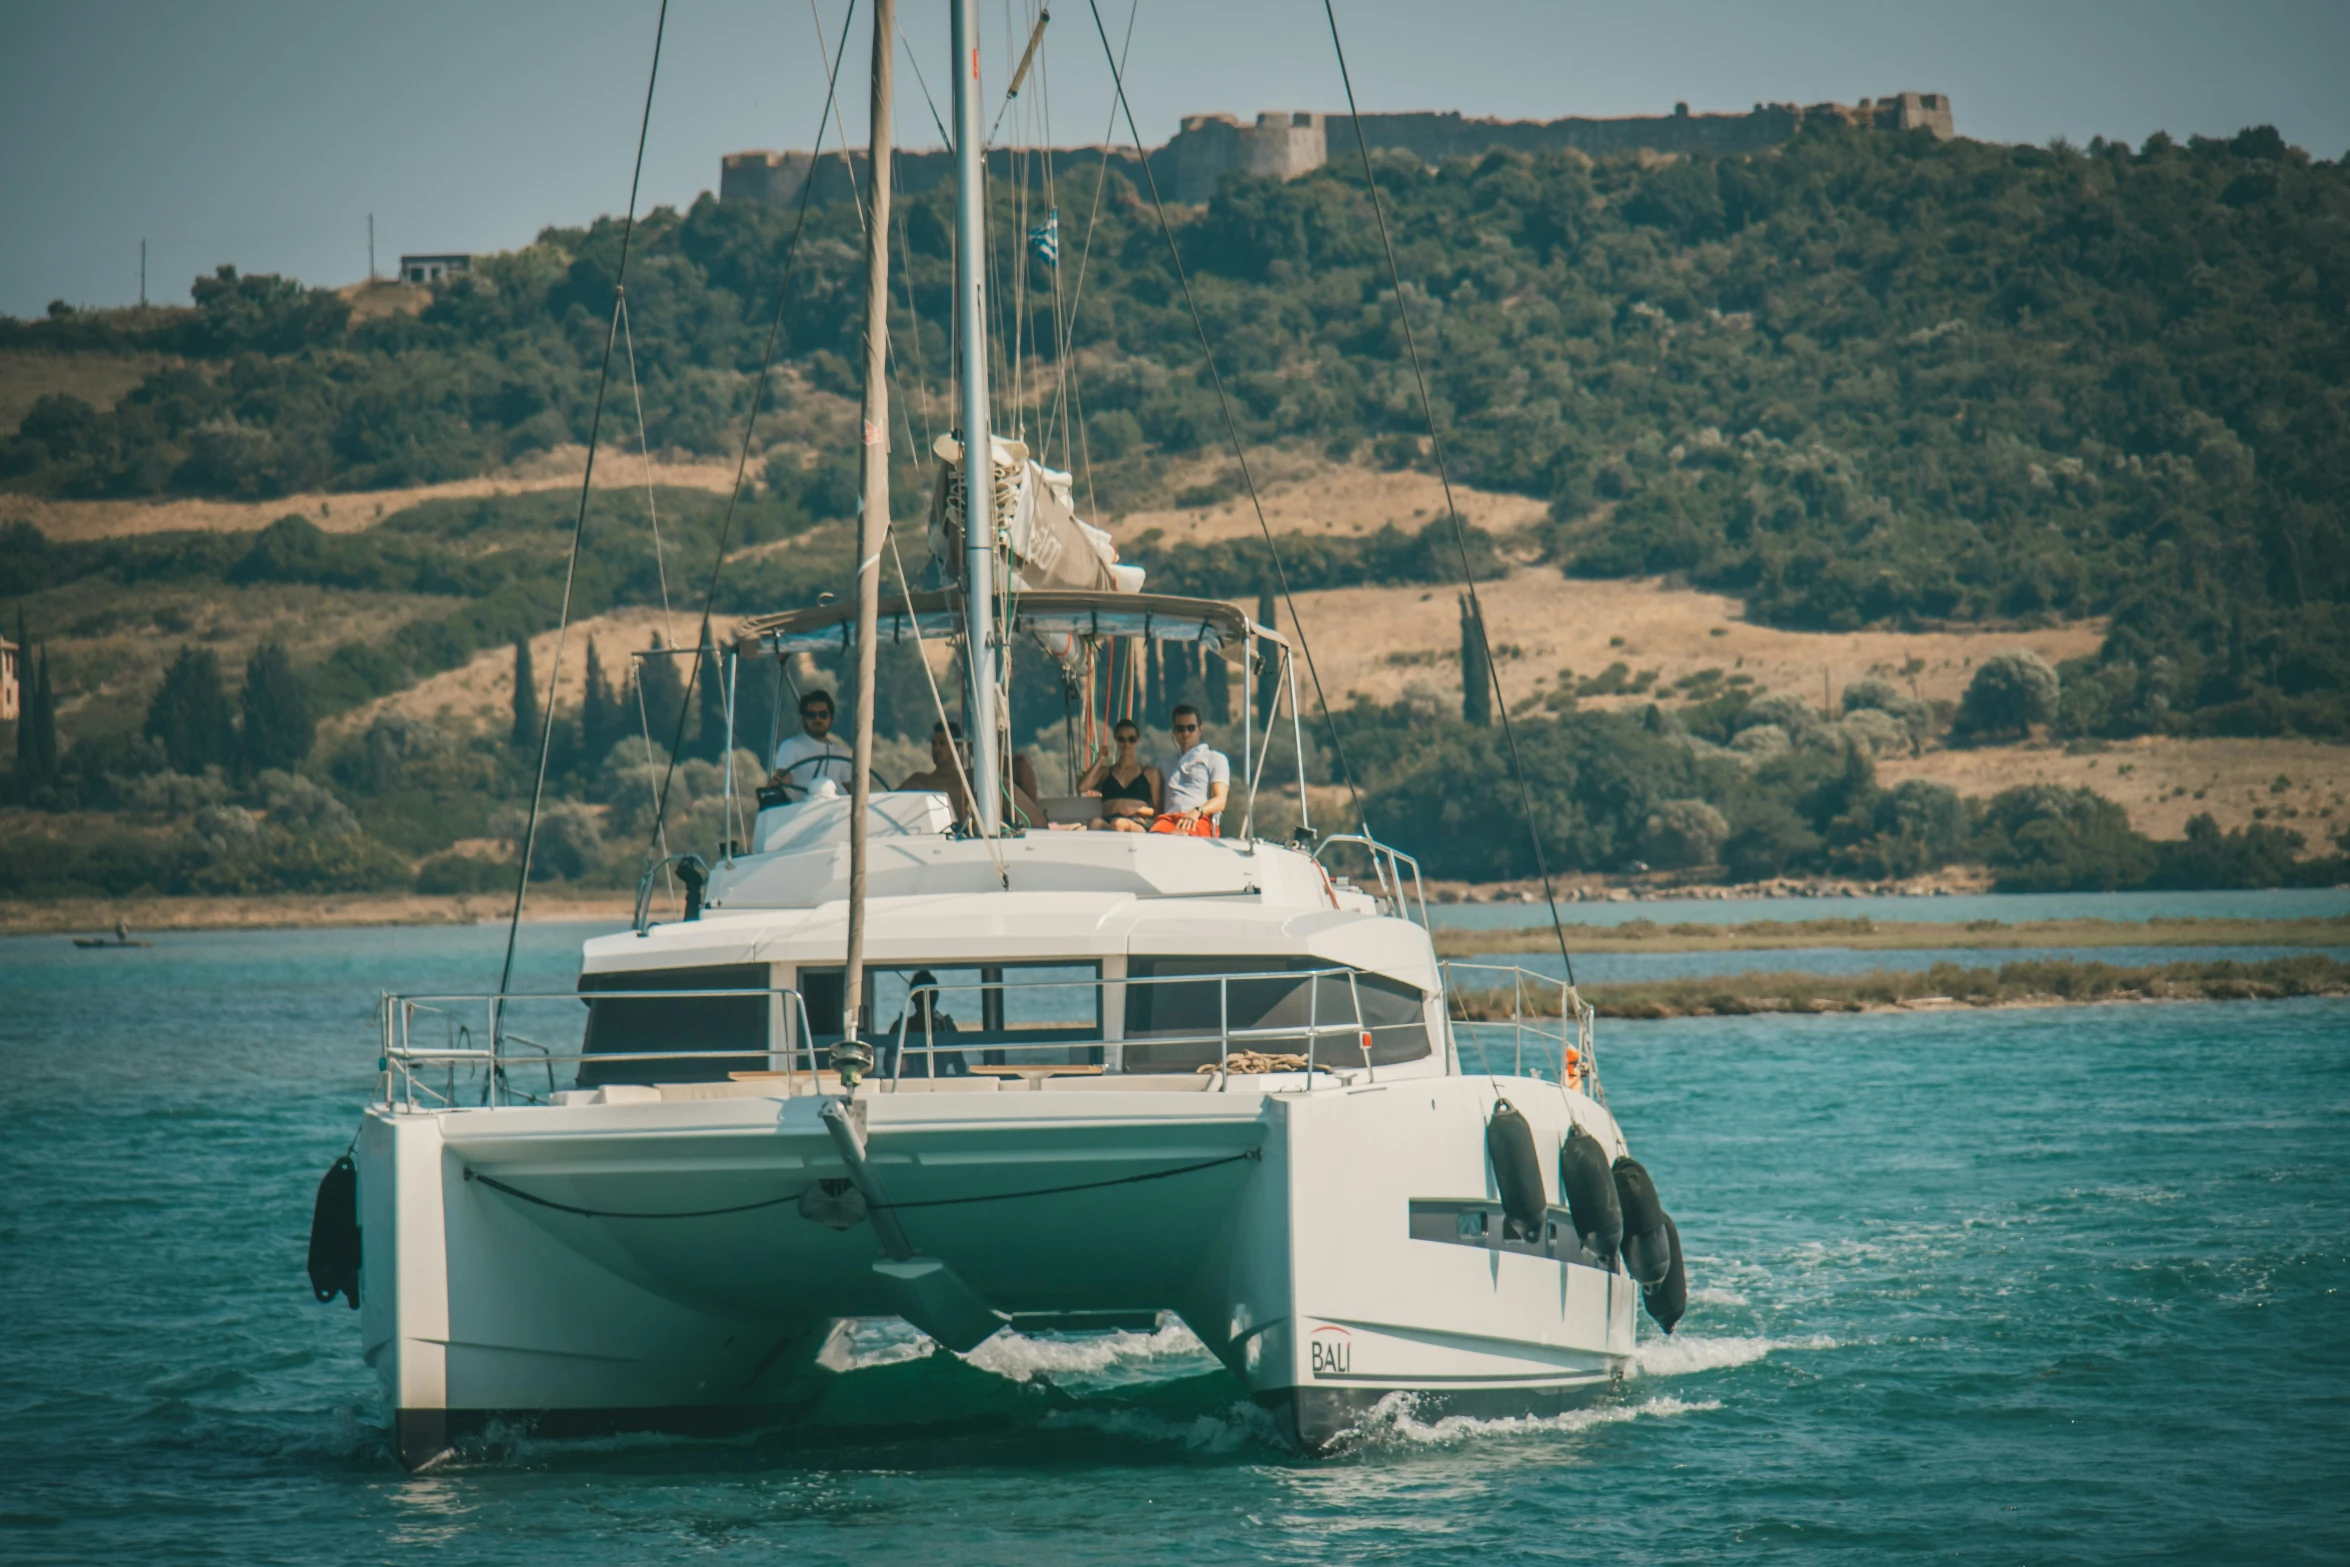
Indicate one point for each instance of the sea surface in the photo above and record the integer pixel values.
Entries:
(2020, 1286)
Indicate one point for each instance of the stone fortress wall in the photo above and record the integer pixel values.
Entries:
(1283, 144)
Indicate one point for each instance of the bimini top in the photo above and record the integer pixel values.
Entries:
(1163, 617)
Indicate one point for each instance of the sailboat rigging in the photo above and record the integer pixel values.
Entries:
(1195, 1070)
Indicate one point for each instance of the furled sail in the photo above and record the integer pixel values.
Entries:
(1052, 548)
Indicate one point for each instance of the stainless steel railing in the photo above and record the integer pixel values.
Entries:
(1514, 1020)
(1387, 865)
(436, 1051)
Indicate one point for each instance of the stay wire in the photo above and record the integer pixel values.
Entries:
(645, 445)
(1452, 511)
(1232, 429)
(579, 524)
(791, 259)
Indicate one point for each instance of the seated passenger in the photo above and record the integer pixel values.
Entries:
(815, 752)
(944, 777)
(923, 1024)
(1200, 784)
(1131, 791)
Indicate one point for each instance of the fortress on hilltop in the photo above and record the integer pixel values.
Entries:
(1283, 144)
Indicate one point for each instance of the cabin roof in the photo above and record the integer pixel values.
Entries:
(1163, 617)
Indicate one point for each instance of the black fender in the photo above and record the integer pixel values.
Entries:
(334, 1234)
(1517, 1172)
(1591, 1195)
(1669, 1300)
(1648, 1251)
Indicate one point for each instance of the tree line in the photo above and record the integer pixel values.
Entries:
(1861, 379)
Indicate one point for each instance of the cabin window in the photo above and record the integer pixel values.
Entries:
(674, 1025)
(997, 1014)
(1278, 994)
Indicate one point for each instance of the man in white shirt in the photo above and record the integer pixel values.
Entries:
(813, 753)
(1199, 784)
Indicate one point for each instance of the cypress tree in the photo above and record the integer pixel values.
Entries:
(190, 714)
(601, 721)
(44, 724)
(1174, 673)
(526, 698)
(1269, 677)
(664, 694)
(1476, 683)
(711, 699)
(278, 728)
(1217, 676)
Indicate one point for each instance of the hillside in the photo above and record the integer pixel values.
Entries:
(1866, 379)
(1735, 438)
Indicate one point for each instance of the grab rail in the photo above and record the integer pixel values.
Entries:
(1387, 864)
(1563, 1046)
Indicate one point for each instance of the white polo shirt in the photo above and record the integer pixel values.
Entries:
(802, 759)
(1196, 772)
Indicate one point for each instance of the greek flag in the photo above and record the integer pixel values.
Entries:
(1045, 238)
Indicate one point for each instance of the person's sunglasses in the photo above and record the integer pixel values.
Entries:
(1185, 729)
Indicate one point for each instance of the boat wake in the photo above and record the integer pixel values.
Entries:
(867, 1344)
(1394, 1422)
(1687, 1354)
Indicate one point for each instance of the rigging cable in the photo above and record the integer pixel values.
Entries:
(1232, 429)
(579, 525)
(1460, 536)
(791, 259)
(495, 1184)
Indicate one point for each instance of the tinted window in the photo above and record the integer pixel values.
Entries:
(1281, 994)
(682, 1024)
(1011, 1014)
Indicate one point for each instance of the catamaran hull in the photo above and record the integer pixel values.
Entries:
(572, 1266)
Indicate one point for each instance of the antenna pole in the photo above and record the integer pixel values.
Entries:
(979, 651)
(142, 274)
(873, 524)
(371, 247)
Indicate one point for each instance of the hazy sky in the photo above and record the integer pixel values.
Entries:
(263, 132)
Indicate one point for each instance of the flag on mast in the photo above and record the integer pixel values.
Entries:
(1045, 238)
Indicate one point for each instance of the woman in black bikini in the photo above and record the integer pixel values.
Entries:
(1131, 792)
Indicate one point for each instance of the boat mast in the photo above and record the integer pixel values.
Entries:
(979, 651)
(873, 523)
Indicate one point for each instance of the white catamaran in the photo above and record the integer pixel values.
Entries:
(901, 1060)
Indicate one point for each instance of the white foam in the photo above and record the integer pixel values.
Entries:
(1689, 1353)
(862, 1343)
(1716, 1297)
(1019, 1357)
(1394, 1419)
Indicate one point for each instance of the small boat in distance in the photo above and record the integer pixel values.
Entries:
(120, 938)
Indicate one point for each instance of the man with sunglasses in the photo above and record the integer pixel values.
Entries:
(1199, 784)
(814, 753)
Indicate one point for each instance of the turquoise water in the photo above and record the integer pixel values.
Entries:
(2274, 903)
(2035, 1286)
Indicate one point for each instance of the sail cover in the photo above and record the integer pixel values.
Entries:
(1051, 547)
